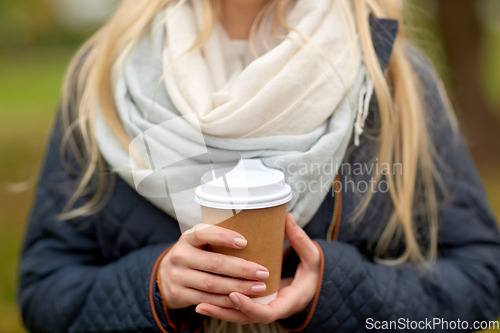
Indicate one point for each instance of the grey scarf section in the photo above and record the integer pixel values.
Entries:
(176, 153)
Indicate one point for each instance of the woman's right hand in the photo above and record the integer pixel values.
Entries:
(190, 275)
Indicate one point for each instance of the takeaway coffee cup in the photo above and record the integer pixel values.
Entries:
(251, 200)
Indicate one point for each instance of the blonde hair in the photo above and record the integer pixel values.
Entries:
(404, 137)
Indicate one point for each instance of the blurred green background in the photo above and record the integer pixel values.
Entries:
(38, 38)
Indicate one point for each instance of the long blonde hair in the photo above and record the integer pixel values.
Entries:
(404, 137)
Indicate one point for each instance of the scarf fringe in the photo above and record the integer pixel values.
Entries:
(365, 96)
(213, 325)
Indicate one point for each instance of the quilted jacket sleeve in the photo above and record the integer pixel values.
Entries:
(464, 283)
(66, 285)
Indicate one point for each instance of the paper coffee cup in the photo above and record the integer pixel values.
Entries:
(251, 200)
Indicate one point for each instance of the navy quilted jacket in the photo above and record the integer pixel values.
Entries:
(96, 274)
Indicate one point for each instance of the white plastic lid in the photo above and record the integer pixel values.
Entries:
(249, 185)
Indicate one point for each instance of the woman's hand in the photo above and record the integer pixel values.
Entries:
(188, 271)
(291, 299)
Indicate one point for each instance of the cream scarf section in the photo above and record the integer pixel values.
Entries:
(290, 90)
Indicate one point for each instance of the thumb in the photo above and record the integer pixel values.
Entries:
(199, 226)
(300, 241)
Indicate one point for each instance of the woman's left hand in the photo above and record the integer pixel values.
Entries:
(291, 299)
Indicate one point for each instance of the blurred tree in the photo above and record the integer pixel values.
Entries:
(24, 21)
(462, 37)
(34, 23)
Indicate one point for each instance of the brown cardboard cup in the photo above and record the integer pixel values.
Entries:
(260, 217)
(264, 229)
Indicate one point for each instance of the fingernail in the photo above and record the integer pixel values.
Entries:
(240, 242)
(202, 312)
(258, 288)
(235, 299)
(262, 275)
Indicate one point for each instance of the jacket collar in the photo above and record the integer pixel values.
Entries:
(384, 33)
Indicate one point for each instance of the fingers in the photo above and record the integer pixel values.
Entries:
(263, 313)
(244, 310)
(301, 243)
(222, 264)
(203, 234)
(247, 311)
(227, 314)
(223, 285)
(194, 297)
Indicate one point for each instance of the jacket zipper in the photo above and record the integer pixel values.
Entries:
(337, 200)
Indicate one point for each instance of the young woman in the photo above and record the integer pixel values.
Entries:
(389, 224)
